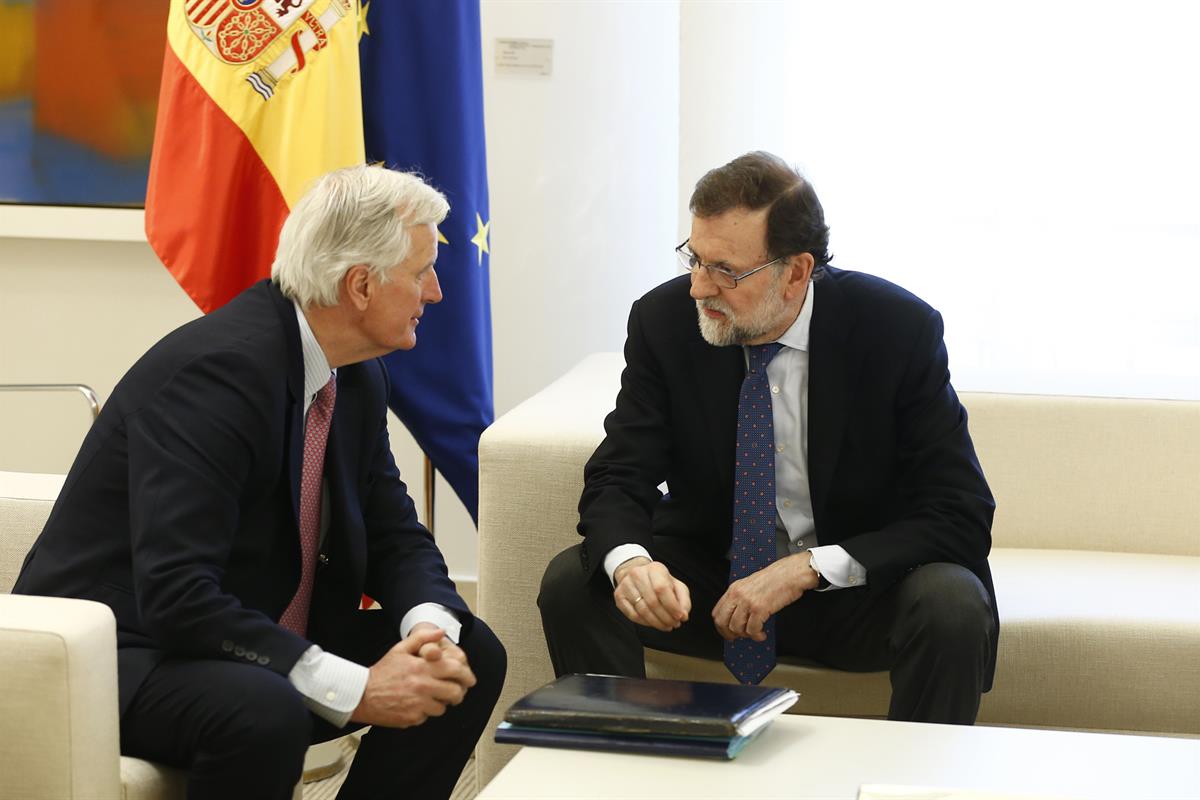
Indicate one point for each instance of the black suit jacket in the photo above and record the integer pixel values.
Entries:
(181, 509)
(893, 474)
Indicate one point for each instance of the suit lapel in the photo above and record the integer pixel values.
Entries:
(829, 387)
(718, 373)
(295, 385)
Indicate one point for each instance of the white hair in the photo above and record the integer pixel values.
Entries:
(356, 215)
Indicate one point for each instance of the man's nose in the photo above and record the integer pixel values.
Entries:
(433, 288)
(703, 285)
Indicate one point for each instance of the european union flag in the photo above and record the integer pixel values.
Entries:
(422, 91)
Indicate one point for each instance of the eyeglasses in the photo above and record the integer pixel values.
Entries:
(721, 276)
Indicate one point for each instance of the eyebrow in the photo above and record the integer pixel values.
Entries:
(721, 263)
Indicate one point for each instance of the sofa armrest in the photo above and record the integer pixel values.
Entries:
(530, 478)
(59, 729)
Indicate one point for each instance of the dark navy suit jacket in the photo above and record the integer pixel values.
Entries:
(180, 511)
(892, 470)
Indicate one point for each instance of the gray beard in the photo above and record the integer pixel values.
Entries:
(750, 326)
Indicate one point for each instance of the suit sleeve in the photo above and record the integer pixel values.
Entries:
(404, 566)
(942, 507)
(191, 449)
(621, 478)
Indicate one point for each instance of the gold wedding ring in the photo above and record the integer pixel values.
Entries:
(636, 600)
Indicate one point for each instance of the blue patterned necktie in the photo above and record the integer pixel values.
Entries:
(754, 506)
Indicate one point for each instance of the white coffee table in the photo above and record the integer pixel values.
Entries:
(805, 758)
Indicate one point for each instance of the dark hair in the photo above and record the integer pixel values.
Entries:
(795, 221)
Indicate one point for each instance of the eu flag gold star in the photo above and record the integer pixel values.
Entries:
(480, 239)
(441, 237)
(363, 30)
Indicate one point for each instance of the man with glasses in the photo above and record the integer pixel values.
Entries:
(823, 499)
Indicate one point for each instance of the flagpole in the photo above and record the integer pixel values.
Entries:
(430, 476)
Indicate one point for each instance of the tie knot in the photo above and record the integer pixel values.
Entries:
(761, 355)
(326, 394)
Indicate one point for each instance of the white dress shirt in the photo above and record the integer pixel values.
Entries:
(788, 376)
(333, 686)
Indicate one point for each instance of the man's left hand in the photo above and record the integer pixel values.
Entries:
(750, 601)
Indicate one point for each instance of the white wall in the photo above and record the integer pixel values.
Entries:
(739, 72)
(73, 311)
(583, 175)
(582, 171)
(1030, 169)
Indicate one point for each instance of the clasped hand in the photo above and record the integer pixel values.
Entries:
(419, 678)
(648, 594)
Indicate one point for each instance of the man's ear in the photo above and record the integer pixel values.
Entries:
(357, 288)
(800, 269)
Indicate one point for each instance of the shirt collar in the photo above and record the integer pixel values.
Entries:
(796, 337)
(316, 366)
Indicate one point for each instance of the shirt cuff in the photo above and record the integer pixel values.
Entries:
(331, 685)
(842, 571)
(619, 555)
(435, 614)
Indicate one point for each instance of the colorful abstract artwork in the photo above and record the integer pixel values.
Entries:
(78, 93)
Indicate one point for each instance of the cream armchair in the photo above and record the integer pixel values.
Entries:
(59, 736)
(59, 727)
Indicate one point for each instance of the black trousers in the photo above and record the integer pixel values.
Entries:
(932, 630)
(242, 731)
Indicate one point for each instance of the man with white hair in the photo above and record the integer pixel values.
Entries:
(238, 495)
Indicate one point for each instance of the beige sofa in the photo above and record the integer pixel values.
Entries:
(59, 735)
(1096, 556)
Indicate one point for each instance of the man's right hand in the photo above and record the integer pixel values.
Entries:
(409, 685)
(647, 594)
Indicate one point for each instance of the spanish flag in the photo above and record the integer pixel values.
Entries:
(258, 98)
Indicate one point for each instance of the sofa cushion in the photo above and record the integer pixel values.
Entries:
(1108, 641)
(1087, 640)
(145, 780)
(25, 503)
(1090, 473)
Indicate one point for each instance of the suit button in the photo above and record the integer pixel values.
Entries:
(251, 655)
(239, 651)
(264, 660)
(227, 645)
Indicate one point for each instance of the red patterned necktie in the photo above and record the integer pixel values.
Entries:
(316, 433)
(753, 546)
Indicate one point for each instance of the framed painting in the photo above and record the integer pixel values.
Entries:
(78, 94)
